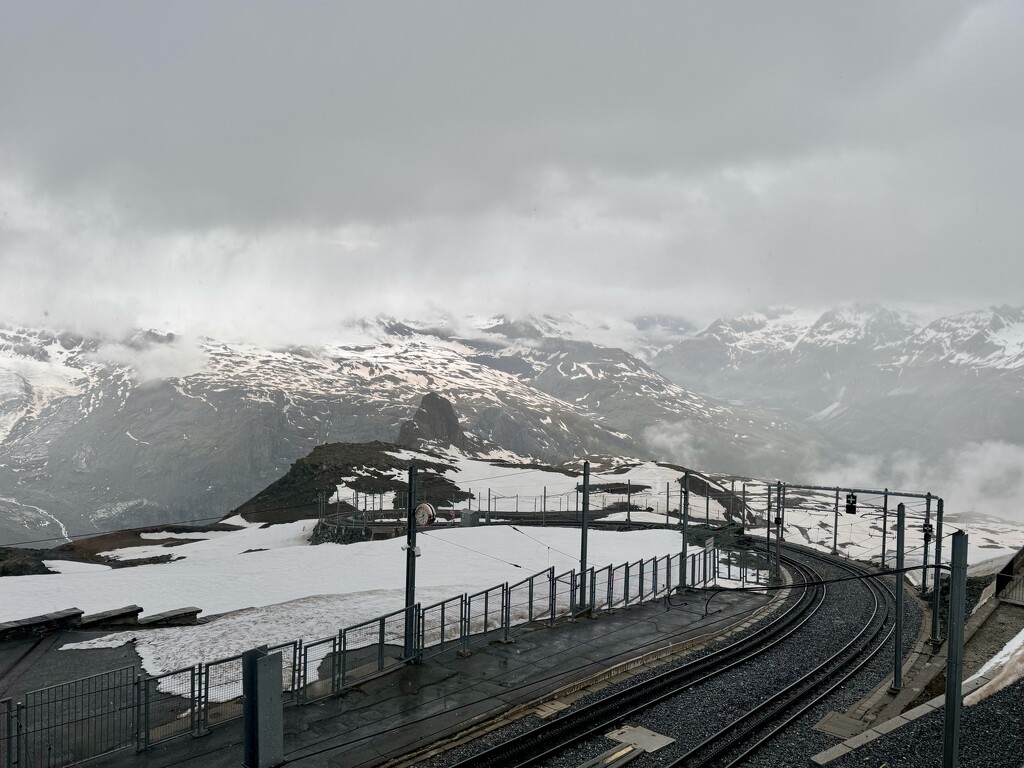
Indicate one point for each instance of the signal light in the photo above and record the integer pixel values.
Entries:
(851, 503)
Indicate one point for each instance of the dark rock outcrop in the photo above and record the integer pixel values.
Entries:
(434, 422)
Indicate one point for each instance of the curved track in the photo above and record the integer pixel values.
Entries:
(743, 735)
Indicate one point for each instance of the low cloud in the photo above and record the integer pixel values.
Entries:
(675, 444)
(155, 360)
(983, 477)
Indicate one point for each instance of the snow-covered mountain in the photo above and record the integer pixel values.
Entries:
(98, 433)
(101, 433)
(872, 378)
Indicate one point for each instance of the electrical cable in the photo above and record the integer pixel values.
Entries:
(550, 548)
(470, 549)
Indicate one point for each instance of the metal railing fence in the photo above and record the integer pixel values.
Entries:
(441, 626)
(372, 647)
(69, 723)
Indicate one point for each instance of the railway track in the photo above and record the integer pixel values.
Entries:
(568, 738)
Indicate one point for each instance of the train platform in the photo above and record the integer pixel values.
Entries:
(418, 705)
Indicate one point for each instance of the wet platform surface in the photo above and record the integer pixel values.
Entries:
(418, 704)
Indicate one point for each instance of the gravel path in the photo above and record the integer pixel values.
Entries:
(991, 736)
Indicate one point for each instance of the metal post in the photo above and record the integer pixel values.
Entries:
(835, 526)
(668, 500)
(629, 501)
(410, 564)
(743, 506)
(732, 498)
(768, 534)
(936, 582)
(955, 652)
(707, 502)
(780, 501)
(544, 508)
(897, 668)
(488, 518)
(686, 517)
(517, 503)
(927, 542)
(583, 531)
(885, 523)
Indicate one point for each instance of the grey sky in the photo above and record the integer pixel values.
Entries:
(237, 166)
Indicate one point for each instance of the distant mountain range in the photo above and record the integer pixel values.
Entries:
(101, 433)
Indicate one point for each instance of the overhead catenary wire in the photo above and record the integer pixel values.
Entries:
(470, 549)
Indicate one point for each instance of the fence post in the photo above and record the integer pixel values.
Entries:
(21, 747)
(551, 597)
(464, 624)
(341, 654)
(198, 701)
(506, 611)
(625, 591)
(593, 589)
(611, 587)
(8, 724)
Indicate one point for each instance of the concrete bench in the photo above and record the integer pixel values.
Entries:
(181, 617)
(116, 618)
(45, 624)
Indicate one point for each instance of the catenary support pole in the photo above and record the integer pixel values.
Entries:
(583, 535)
(936, 581)
(897, 666)
(544, 508)
(835, 526)
(955, 652)
(885, 523)
(780, 501)
(927, 543)
(686, 517)
(707, 502)
(768, 536)
(668, 500)
(410, 565)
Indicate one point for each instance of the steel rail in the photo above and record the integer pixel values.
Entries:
(801, 690)
(586, 721)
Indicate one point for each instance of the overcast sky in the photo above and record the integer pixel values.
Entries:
(231, 167)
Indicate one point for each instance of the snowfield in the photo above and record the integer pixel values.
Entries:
(268, 586)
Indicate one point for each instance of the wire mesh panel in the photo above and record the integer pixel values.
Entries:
(222, 691)
(617, 591)
(600, 594)
(663, 576)
(441, 625)
(528, 600)
(169, 705)
(67, 723)
(291, 653)
(634, 582)
(485, 611)
(318, 669)
(8, 740)
(564, 594)
(370, 648)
